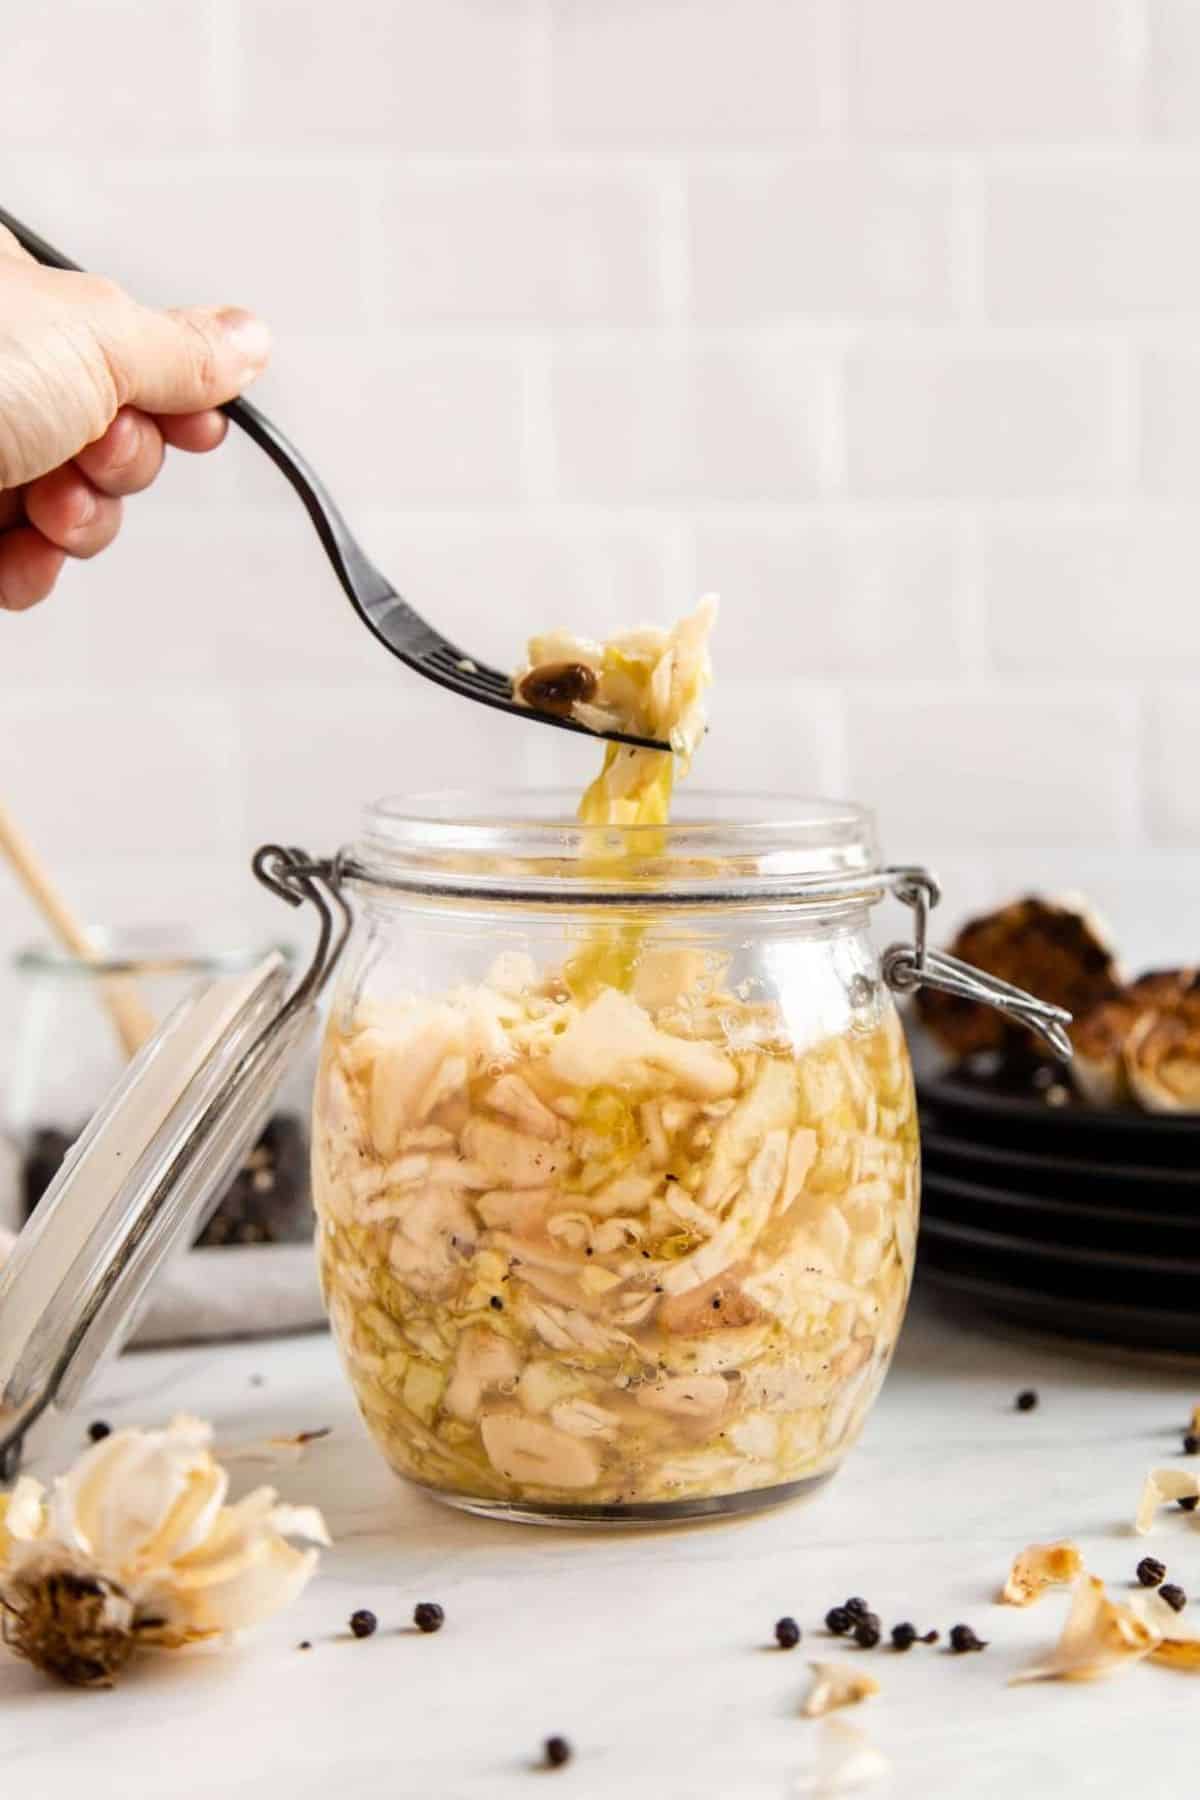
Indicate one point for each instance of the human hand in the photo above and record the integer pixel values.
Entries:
(92, 387)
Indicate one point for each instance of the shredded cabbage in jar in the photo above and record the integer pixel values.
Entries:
(604, 1235)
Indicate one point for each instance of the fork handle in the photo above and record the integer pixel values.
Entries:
(359, 577)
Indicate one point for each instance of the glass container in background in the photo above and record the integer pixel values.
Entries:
(66, 1056)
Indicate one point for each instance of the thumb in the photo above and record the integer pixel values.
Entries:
(185, 360)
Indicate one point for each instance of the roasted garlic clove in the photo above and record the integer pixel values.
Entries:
(1162, 1057)
(1055, 949)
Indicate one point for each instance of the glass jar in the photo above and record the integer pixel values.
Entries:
(615, 1153)
(67, 1055)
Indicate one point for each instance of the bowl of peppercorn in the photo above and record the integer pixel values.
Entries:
(250, 1269)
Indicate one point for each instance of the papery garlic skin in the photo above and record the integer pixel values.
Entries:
(1101, 1637)
(1161, 1488)
(834, 1685)
(142, 1516)
(1038, 1567)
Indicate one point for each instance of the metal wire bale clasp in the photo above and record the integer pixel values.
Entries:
(297, 878)
(907, 967)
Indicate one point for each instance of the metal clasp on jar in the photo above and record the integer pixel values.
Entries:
(907, 967)
(294, 876)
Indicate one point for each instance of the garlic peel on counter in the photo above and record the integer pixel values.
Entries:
(1038, 1567)
(1161, 1487)
(836, 1684)
(135, 1545)
(845, 1763)
(1100, 1637)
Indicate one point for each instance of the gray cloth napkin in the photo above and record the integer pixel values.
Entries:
(248, 1290)
(253, 1290)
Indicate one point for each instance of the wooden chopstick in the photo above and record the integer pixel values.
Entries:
(132, 1020)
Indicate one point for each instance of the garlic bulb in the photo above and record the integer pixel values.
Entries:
(136, 1546)
(1102, 1035)
(1099, 1039)
(1057, 949)
(1162, 1058)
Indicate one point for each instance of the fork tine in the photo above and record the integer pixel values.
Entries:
(480, 682)
(458, 664)
(488, 687)
(502, 701)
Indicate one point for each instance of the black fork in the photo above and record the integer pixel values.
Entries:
(382, 610)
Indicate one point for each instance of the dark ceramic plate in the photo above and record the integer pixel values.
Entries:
(1129, 1231)
(1140, 1277)
(962, 1107)
(1004, 1297)
(1080, 1180)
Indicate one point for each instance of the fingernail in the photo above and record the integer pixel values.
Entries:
(85, 510)
(249, 337)
(125, 440)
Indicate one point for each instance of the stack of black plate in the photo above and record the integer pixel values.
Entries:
(1064, 1218)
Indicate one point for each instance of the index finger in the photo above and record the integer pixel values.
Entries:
(127, 458)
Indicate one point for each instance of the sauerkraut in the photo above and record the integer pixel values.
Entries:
(606, 1234)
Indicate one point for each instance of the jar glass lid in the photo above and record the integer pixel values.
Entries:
(138, 1184)
(528, 844)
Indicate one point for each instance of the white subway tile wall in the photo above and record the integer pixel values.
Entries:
(881, 317)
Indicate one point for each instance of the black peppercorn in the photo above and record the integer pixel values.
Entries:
(787, 1634)
(962, 1639)
(1191, 1443)
(428, 1616)
(1150, 1572)
(838, 1620)
(904, 1636)
(496, 1303)
(1027, 1399)
(305, 1644)
(857, 1607)
(99, 1430)
(1190, 1502)
(363, 1622)
(1174, 1596)
(867, 1632)
(558, 1752)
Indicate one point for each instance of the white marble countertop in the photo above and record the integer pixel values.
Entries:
(650, 1651)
